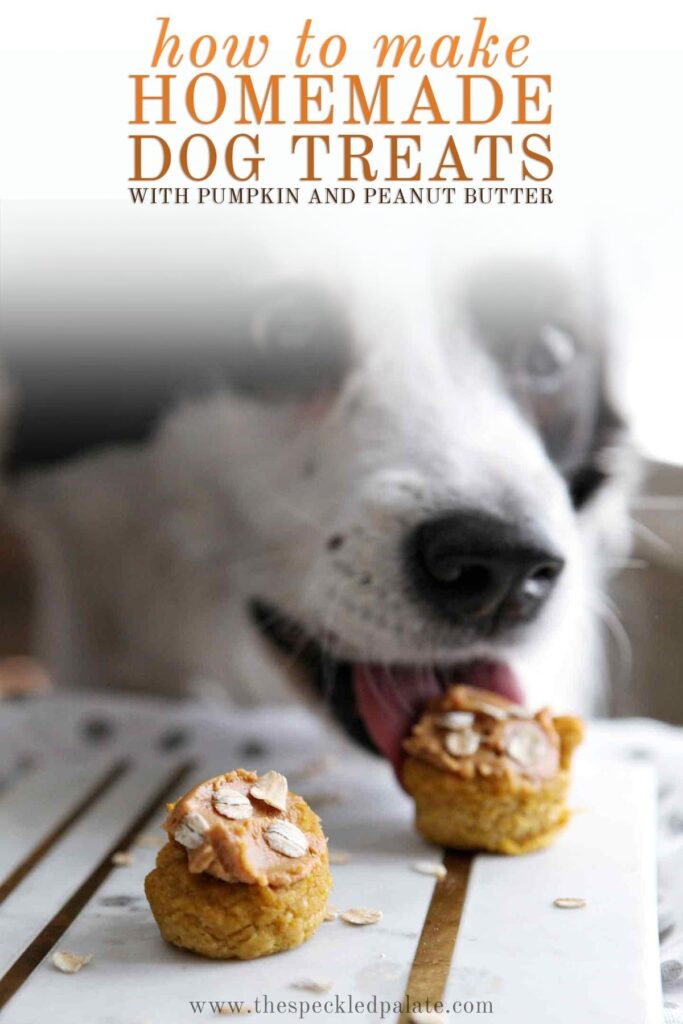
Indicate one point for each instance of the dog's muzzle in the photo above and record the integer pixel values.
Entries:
(483, 576)
(481, 572)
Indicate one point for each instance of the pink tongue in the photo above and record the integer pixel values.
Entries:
(389, 700)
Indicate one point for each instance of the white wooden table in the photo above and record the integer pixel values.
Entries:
(84, 778)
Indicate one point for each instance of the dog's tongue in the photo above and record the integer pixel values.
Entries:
(390, 700)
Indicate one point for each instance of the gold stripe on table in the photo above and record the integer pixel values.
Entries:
(434, 953)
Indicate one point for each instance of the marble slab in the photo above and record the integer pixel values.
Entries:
(530, 960)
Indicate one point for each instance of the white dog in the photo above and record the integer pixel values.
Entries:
(400, 485)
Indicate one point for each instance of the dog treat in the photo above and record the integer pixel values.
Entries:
(486, 774)
(240, 877)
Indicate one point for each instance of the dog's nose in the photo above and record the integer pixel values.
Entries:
(481, 571)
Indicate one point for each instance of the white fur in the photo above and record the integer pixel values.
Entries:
(147, 557)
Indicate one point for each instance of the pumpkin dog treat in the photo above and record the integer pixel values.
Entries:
(245, 870)
(486, 774)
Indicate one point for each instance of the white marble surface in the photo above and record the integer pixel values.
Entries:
(534, 962)
(595, 964)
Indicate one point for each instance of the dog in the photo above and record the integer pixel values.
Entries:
(394, 486)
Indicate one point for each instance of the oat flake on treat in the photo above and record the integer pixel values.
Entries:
(284, 837)
(191, 831)
(455, 720)
(462, 743)
(230, 803)
(272, 789)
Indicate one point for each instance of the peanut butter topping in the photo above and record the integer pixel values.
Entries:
(230, 831)
(470, 732)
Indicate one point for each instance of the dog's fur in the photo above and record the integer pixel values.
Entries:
(150, 557)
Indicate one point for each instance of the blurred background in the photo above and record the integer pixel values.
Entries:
(83, 275)
(107, 326)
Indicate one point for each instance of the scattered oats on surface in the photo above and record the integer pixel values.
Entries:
(526, 743)
(191, 831)
(230, 803)
(430, 867)
(455, 720)
(331, 913)
(272, 789)
(229, 1011)
(284, 837)
(70, 963)
(361, 915)
(150, 840)
(122, 859)
(313, 985)
(426, 1017)
(569, 902)
(461, 743)
(339, 856)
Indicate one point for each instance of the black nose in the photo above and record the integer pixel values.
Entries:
(481, 571)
